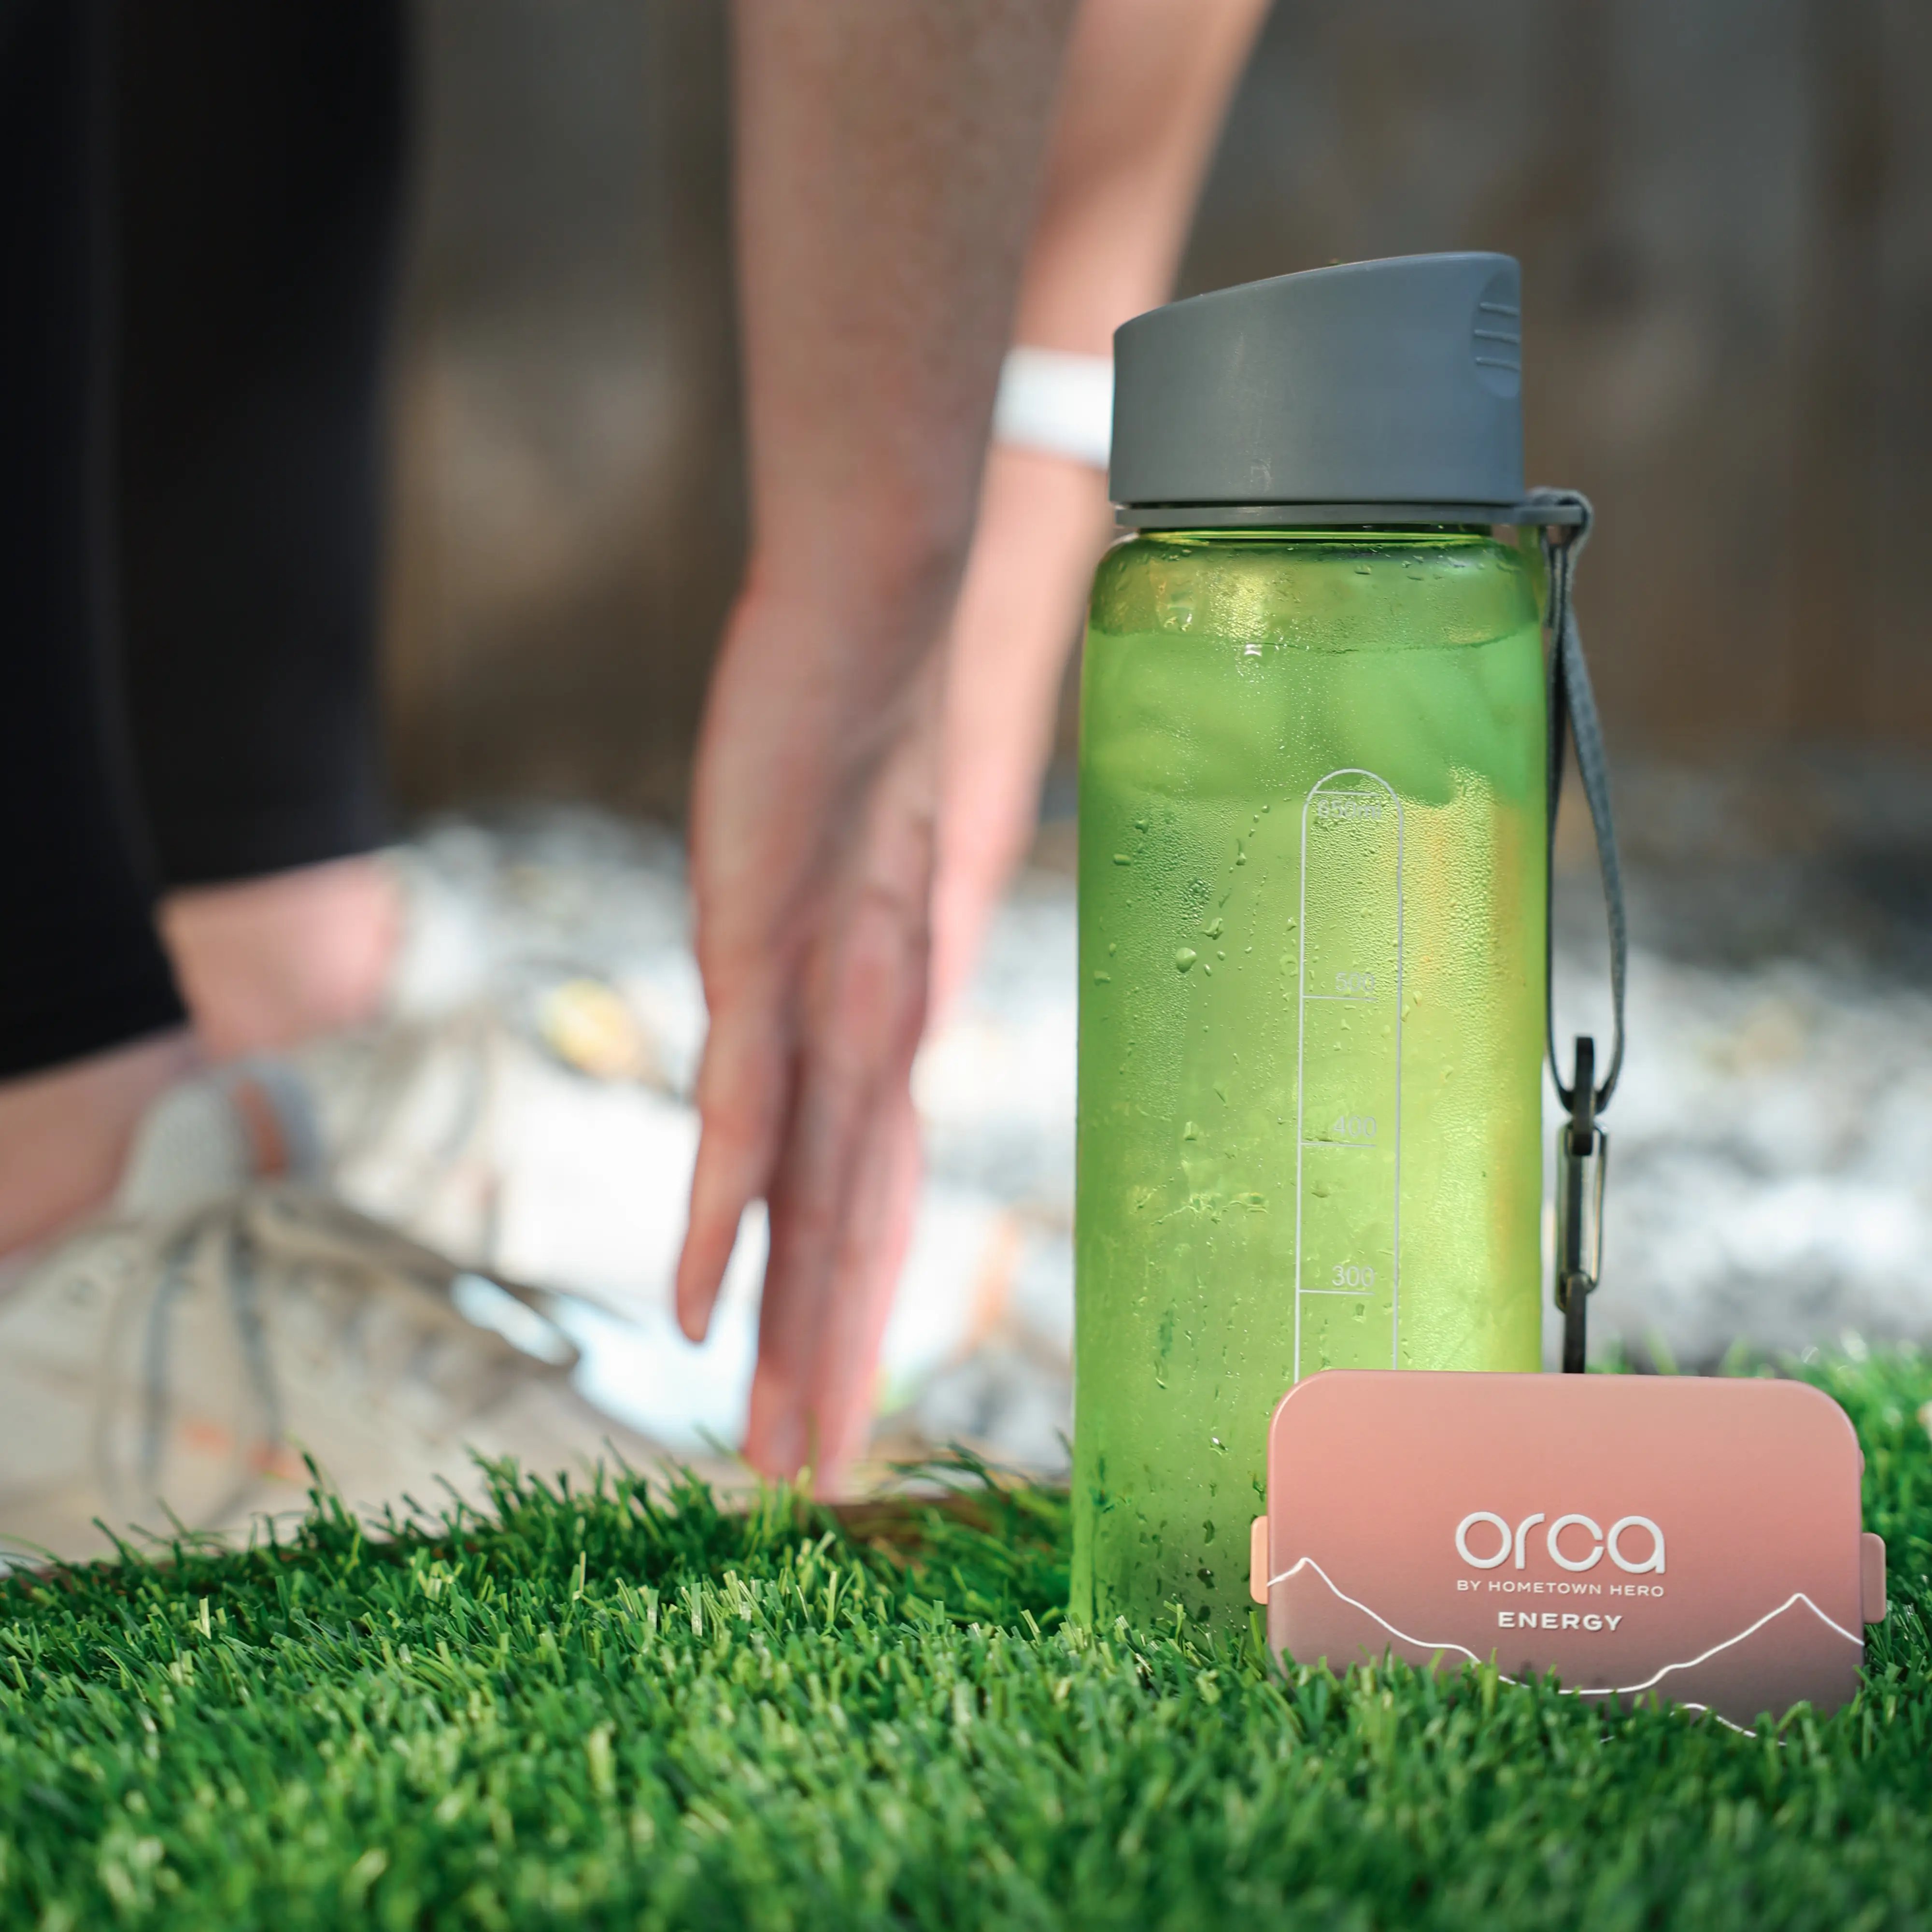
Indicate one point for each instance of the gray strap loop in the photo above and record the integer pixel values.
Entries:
(1572, 703)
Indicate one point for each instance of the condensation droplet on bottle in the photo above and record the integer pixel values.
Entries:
(1184, 956)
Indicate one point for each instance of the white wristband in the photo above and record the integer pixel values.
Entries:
(1062, 404)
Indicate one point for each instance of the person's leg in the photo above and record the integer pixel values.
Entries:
(254, 236)
(261, 190)
(90, 1020)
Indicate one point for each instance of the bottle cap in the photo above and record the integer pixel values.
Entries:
(1386, 391)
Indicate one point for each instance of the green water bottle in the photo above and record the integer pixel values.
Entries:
(1313, 853)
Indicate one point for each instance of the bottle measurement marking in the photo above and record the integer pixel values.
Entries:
(1358, 988)
(1342, 810)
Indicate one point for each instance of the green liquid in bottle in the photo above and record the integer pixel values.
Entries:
(1312, 883)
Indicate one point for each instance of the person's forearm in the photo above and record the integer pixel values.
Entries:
(1146, 88)
(888, 154)
(1146, 84)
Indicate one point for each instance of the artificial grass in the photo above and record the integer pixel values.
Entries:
(597, 1710)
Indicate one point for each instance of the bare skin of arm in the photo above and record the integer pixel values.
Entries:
(889, 159)
(862, 743)
(1145, 89)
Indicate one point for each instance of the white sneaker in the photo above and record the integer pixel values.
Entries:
(152, 1380)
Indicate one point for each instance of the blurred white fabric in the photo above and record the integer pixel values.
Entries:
(461, 1120)
(1771, 1176)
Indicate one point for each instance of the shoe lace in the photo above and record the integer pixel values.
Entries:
(277, 1239)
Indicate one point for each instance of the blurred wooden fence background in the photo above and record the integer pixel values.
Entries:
(1724, 211)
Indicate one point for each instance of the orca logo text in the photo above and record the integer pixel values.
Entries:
(1574, 1542)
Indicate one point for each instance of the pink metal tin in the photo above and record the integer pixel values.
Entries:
(1696, 1538)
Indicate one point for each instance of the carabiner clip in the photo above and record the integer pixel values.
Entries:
(1583, 1155)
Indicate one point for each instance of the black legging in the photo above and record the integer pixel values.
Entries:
(198, 215)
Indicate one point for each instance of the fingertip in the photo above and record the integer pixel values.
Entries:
(694, 1312)
(700, 1274)
(721, 1188)
(775, 1439)
(735, 1147)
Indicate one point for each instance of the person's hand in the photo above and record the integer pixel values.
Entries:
(812, 858)
(888, 160)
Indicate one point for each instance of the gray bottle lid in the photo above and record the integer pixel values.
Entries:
(1371, 392)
